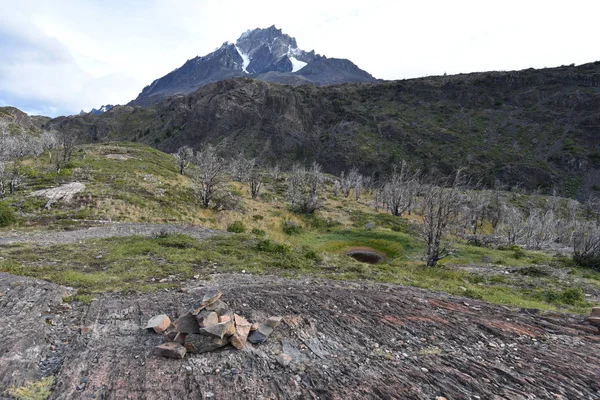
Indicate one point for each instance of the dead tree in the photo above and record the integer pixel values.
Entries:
(512, 224)
(304, 187)
(399, 191)
(586, 245)
(255, 180)
(440, 207)
(210, 176)
(184, 158)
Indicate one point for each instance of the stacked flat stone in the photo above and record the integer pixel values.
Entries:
(208, 326)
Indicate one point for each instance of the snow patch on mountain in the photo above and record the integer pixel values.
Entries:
(297, 65)
(245, 58)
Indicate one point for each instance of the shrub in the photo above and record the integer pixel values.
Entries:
(518, 253)
(258, 232)
(311, 254)
(236, 227)
(291, 228)
(269, 246)
(258, 217)
(7, 214)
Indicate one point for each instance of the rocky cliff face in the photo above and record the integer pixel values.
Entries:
(265, 54)
(537, 128)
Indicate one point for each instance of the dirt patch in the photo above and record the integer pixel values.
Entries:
(346, 340)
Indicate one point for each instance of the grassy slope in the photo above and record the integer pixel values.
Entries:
(147, 188)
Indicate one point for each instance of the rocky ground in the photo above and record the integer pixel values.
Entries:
(346, 340)
(46, 238)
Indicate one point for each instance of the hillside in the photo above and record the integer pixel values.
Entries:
(534, 128)
(83, 275)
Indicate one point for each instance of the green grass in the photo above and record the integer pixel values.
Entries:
(38, 390)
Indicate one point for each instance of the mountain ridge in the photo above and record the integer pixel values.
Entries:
(534, 128)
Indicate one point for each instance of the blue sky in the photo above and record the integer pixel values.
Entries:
(58, 57)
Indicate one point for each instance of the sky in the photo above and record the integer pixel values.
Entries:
(62, 56)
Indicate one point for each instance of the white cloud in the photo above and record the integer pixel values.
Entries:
(67, 55)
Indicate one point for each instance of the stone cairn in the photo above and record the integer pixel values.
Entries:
(209, 326)
(594, 318)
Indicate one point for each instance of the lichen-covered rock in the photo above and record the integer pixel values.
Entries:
(198, 343)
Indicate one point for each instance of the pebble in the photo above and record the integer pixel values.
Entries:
(188, 368)
(425, 370)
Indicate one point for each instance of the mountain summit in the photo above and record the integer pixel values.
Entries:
(265, 54)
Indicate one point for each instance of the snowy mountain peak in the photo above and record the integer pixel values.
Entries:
(270, 49)
(267, 54)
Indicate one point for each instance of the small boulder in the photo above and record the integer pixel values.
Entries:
(170, 349)
(199, 343)
(187, 323)
(159, 323)
(210, 297)
(274, 322)
(261, 334)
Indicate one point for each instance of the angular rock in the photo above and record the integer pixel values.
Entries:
(273, 322)
(224, 318)
(210, 318)
(284, 360)
(180, 337)
(595, 312)
(198, 343)
(170, 349)
(217, 330)
(254, 327)
(220, 307)
(159, 323)
(261, 334)
(210, 297)
(187, 323)
(242, 329)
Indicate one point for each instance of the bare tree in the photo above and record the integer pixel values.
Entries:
(3, 177)
(210, 176)
(592, 208)
(255, 180)
(358, 185)
(399, 191)
(304, 186)
(586, 245)
(512, 224)
(241, 167)
(440, 208)
(184, 157)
